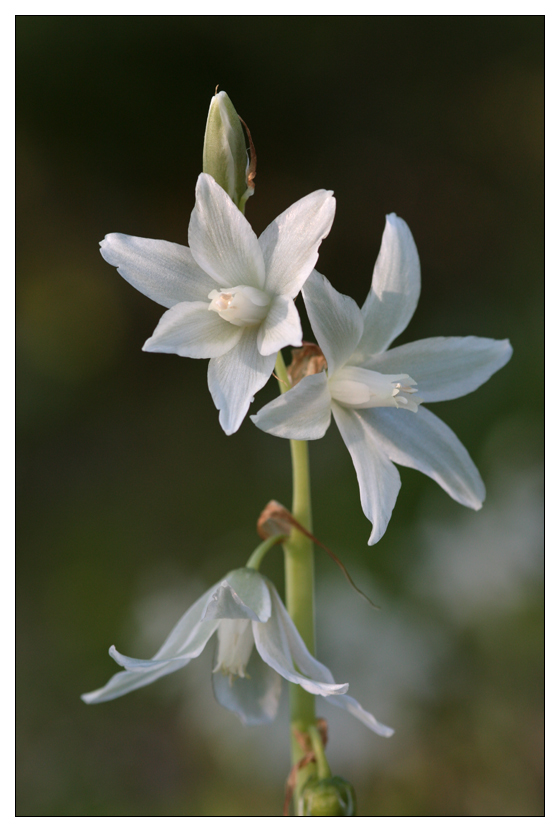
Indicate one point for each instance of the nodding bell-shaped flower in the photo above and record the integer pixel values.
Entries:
(224, 155)
(257, 645)
(375, 393)
(229, 295)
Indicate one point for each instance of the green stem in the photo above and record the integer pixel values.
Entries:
(254, 561)
(298, 563)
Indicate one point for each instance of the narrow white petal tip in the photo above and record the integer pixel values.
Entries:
(477, 500)
(226, 426)
(375, 537)
(154, 345)
(114, 653)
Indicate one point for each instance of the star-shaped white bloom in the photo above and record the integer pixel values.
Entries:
(230, 295)
(374, 392)
(246, 612)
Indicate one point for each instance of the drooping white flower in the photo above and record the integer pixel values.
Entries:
(229, 295)
(375, 393)
(257, 644)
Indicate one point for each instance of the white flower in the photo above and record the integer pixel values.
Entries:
(246, 611)
(230, 295)
(372, 391)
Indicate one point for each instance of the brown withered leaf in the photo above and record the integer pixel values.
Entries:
(276, 519)
(306, 361)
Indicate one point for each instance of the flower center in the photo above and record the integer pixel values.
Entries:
(240, 305)
(359, 388)
(235, 643)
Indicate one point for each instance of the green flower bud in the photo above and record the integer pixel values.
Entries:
(224, 155)
(330, 797)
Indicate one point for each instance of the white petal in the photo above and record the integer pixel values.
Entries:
(254, 697)
(290, 244)
(193, 331)
(165, 272)
(186, 641)
(304, 412)
(242, 594)
(271, 640)
(234, 378)
(281, 327)
(335, 319)
(203, 634)
(307, 663)
(422, 441)
(444, 368)
(395, 288)
(190, 634)
(353, 707)
(221, 240)
(129, 680)
(378, 478)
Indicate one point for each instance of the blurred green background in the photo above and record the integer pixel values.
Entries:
(131, 499)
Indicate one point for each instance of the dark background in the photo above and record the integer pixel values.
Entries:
(132, 500)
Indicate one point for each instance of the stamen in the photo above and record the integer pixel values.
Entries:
(223, 300)
(240, 305)
(359, 388)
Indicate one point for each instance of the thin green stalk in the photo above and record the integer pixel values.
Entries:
(254, 561)
(300, 598)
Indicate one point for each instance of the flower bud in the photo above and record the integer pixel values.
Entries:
(330, 797)
(224, 155)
